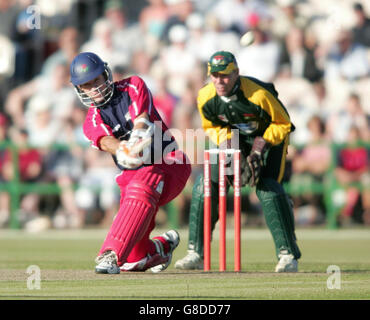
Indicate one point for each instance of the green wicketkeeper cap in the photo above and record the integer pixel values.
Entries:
(222, 62)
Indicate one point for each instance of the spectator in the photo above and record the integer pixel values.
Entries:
(346, 60)
(29, 42)
(97, 189)
(231, 14)
(261, 59)
(141, 64)
(206, 36)
(68, 46)
(115, 14)
(286, 17)
(4, 196)
(339, 123)
(309, 166)
(297, 58)
(67, 167)
(164, 101)
(361, 30)
(187, 129)
(43, 129)
(301, 101)
(179, 11)
(64, 167)
(352, 173)
(211, 37)
(30, 170)
(60, 94)
(203, 6)
(177, 61)
(30, 161)
(8, 14)
(186, 114)
(9, 53)
(119, 72)
(56, 90)
(197, 44)
(304, 100)
(61, 166)
(7, 68)
(102, 42)
(152, 20)
(74, 134)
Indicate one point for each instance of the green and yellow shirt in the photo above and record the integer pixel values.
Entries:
(253, 108)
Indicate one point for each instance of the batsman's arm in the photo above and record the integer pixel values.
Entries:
(121, 151)
(109, 144)
(139, 124)
(95, 129)
(134, 152)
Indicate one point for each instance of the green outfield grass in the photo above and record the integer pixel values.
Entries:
(66, 261)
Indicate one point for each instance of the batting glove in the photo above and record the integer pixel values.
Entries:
(133, 153)
(126, 158)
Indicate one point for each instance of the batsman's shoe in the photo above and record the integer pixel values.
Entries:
(286, 263)
(173, 239)
(140, 265)
(192, 261)
(144, 264)
(107, 263)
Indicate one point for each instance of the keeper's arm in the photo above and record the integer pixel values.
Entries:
(216, 133)
(280, 125)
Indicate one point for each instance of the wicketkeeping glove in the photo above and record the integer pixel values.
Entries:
(245, 172)
(255, 159)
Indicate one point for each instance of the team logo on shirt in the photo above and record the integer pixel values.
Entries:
(223, 118)
(128, 116)
(248, 127)
(116, 128)
(249, 115)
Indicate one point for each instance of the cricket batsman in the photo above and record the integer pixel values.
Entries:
(233, 103)
(123, 121)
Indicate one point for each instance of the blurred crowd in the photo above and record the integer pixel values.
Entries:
(317, 53)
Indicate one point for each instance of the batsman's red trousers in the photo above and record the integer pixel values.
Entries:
(169, 179)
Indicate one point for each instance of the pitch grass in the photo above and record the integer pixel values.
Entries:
(66, 261)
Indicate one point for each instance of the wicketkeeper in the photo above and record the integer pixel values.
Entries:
(233, 102)
(123, 121)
